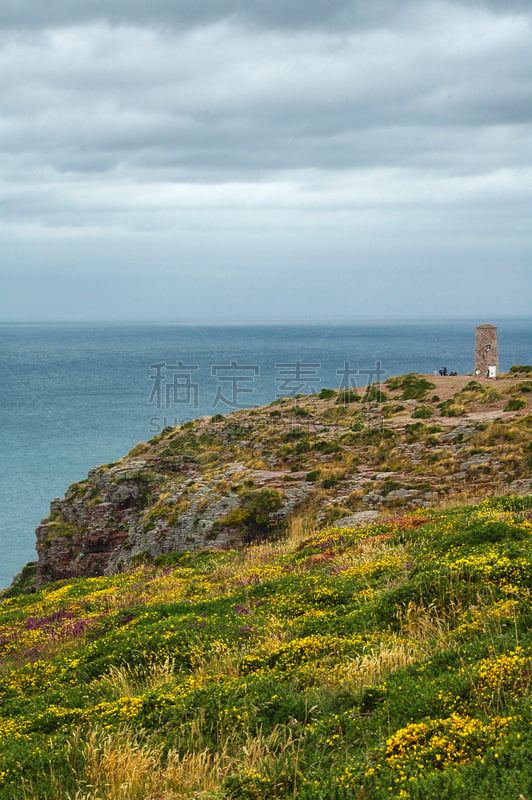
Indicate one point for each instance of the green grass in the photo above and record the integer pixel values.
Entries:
(392, 661)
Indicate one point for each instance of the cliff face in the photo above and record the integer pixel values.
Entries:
(219, 483)
(145, 508)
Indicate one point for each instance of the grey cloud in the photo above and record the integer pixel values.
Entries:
(181, 14)
(225, 101)
(292, 14)
(264, 133)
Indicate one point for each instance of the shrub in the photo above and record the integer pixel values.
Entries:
(389, 411)
(313, 475)
(299, 411)
(414, 431)
(296, 433)
(451, 408)
(413, 386)
(326, 447)
(348, 396)
(515, 404)
(374, 394)
(332, 480)
(423, 412)
(525, 369)
(253, 517)
(472, 386)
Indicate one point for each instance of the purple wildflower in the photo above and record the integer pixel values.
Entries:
(242, 609)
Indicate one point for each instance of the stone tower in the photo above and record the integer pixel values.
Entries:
(486, 352)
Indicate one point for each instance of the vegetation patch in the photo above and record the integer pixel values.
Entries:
(423, 412)
(254, 515)
(301, 411)
(412, 386)
(348, 396)
(515, 404)
(521, 369)
(390, 410)
(335, 664)
(375, 394)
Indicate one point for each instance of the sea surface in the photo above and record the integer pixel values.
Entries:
(76, 395)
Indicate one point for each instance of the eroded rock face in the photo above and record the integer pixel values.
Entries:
(130, 511)
(86, 550)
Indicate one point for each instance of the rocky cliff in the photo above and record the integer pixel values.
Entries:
(226, 481)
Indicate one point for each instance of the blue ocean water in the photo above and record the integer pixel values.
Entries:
(74, 396)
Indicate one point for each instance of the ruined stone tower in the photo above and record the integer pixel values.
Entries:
(486, 352)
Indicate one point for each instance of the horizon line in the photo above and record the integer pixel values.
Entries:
(266, 321)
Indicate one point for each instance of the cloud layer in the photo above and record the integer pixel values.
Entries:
(234, 120)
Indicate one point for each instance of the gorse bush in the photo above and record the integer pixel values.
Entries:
(392, 661)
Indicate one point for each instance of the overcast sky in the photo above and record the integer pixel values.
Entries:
(265, 159)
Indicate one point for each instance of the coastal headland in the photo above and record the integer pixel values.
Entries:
(415, 441)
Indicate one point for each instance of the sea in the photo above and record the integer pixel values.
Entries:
(73, 396)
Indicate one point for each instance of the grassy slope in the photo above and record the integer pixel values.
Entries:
(393, 661)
